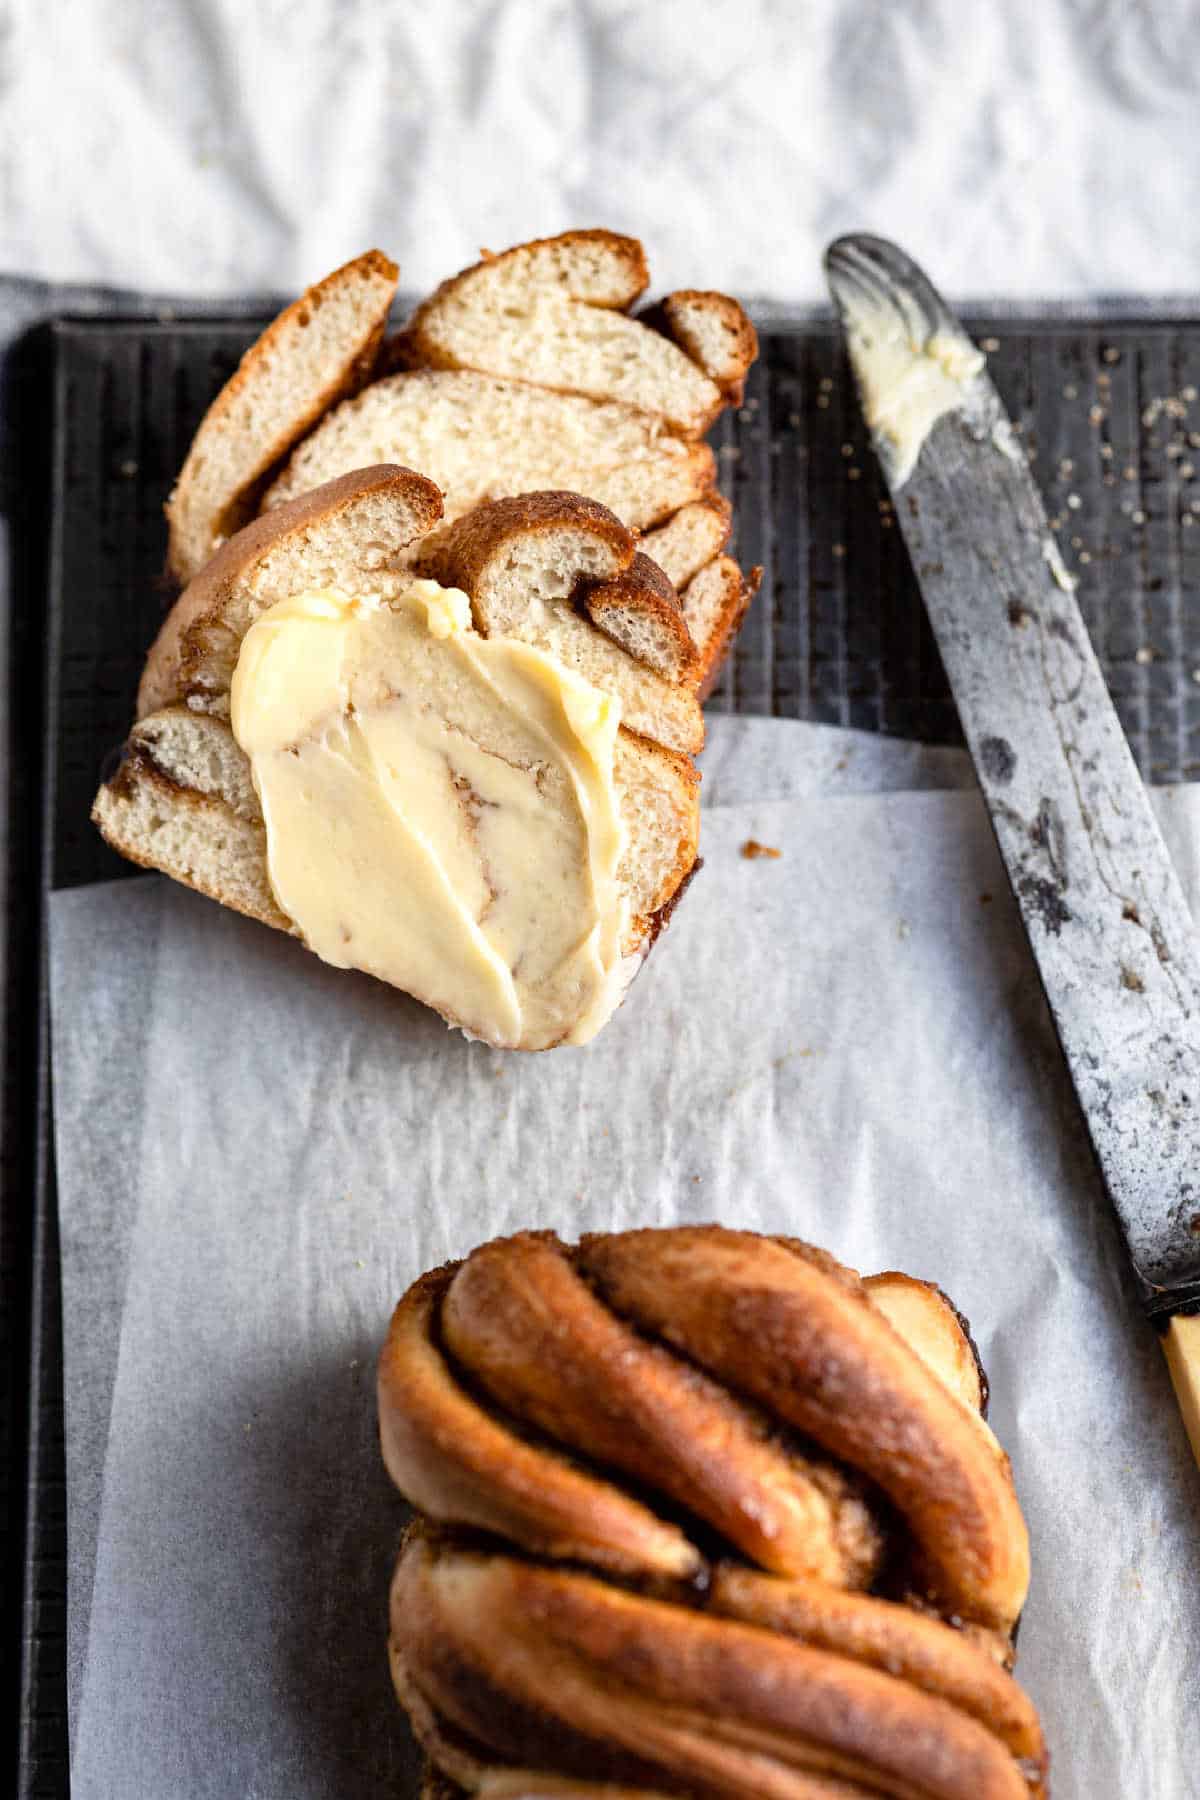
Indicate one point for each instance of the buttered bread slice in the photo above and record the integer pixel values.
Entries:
(428, 774)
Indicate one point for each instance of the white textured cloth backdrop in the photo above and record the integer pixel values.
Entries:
(1024, 148)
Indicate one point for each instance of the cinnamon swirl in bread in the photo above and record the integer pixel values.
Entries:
(701, 1513)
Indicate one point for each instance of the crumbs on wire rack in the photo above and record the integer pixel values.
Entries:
(1158, 492)
(1101, 507)
(752, 850)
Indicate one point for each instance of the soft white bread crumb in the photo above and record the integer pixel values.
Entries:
(182, 802)
(316, 351)
(508, 376)
(640, 610)
(695, 535)
(480, 438)
(521, 561)
(714, 605)
(547, 330)
(547, 312)
(716, 334)
(350, 534)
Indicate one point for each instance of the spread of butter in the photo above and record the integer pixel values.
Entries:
(439, 807)
(909, 377)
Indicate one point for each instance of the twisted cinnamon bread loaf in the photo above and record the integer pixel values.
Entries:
(700, 1513)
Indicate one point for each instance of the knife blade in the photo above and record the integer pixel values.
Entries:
(1099, 898)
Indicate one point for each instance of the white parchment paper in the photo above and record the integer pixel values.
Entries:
(848, 1044)
(104, 943)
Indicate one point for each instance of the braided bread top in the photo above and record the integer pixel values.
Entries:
(742, 1516)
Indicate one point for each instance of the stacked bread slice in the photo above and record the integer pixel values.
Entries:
(183, 799)
(523, 373)
(565, 490)
(318, 350)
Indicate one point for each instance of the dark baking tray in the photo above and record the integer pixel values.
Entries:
(1109, 413)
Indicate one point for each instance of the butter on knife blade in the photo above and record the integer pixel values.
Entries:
(913, 366)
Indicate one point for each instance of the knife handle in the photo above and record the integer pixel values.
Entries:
(1181, 1346)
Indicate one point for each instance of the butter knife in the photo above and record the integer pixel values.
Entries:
(1100, 901)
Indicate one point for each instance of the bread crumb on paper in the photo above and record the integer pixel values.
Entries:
(752, 850)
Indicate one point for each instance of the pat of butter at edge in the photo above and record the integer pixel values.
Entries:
(908, 379)
(278, 701)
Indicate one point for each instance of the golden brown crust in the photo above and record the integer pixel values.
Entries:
(475, 553)
(467, 551)
(742, 1681)
(887, 1636)
(679, 771)
(712, 502)
(722, 353)
(461, 1465)
(537, 1663)
(138, 769)
(191, 665)
(723, 508)
(681, 313)
(929, 1321)
(418, 347)
(643, 590)
(530, 1784)
(427, 343)
(525, 1326)
(240, 505)
(739, 590)
(184, 637)
(775, 1327)
(520, 1784)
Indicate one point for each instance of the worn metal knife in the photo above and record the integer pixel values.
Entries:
(1101, 903)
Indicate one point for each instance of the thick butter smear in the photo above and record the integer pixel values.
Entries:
(440, 808)
(909, 378)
